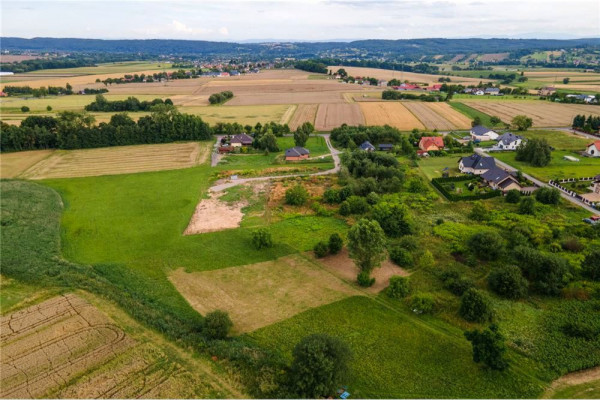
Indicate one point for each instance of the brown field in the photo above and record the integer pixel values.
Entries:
(13, 164)
(456, 58)
(67, 348)
(393, 114)
(304, 113)
(493, 56)
(261, 294)
(438, 116)
(544, 114)
(331, 116)
(411, 76)
(469, 58)
(119, 160)
(9, 58)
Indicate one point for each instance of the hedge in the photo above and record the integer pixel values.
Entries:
(436, 182)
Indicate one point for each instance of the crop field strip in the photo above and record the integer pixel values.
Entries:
(393, 114)
(331, 116)
(304, 113)
(544, 114)
(434, 119)
(119, 160)
(13, 164)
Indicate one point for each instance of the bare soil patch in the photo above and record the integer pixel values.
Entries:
(120, 160)
(13, 164)
(393, 114)
(342, 265)
(212, 215)
(261, 294)
(411, 76)
(331, 116)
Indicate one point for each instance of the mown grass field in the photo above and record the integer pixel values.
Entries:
(560, 140)
(432, 167)
(472, 113)
(558, 167)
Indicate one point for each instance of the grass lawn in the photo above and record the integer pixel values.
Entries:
(472, 113)
(560, 140)
(558, 167)
(432, 167)
(12, 105)
(397, 355)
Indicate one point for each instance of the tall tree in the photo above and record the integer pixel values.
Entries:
(366, 244)
(488, 347)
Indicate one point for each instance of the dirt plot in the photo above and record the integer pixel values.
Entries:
(393, 114)
(331, 116)
(544, 114)
(13, 164)
(119, 160)
(428, 116)
(304, 113)
(411, 76)
(343, 266)
(261, 294)
(67, 348)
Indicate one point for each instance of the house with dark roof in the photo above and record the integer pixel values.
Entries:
(508, 141)
(499, 179)
(241, 140)
(431, 143)
(492, 91)
(482, 134)
(367, 146)
(476, 164)
(296, 153)
(385, 146)
(593, 149)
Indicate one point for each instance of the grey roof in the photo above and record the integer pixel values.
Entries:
(507, 182)
(480, 130)
(508, 138)
(296, 152)
(386, 145)
(492, 90)
(495, 174)
(367, 146)
(241, 138)
(478, 162)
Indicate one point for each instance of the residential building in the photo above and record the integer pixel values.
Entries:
(482, 134)
(499, 179)
(593, 149)
(296, 153)
(385, 146)
(476, 164)
(367, 146)
(547, 91)
(492, 91)
(431, 143)
(477, 92)
(508, 141)
(241, 140)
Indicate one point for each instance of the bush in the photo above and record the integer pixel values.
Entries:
(527, 206)
(394, 218)
(373, 198)
(358, 205)
(572, 244)
(398, 287)
(345, 209)
(590, 267)
(547, 195)
(508, 281)
(364, 279)
(48, 108)
(402, 257)
(409, 242)
(475, 306)
(547, 273)
(422, 303)
(24, 109)
(217, 325)
(345, 192)
(321, 249)
(456, 283)
(335, 243)
(478, 212)
(488, 347)
(261, 238)
(296, 196)
(331, 196)
(426, 259)
(513, 196)
(486, 245)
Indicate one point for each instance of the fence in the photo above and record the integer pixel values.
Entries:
(571, 192)
(437, 183)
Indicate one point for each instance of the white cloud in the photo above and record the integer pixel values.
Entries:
(224, 31)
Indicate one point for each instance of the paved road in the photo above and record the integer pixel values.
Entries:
(335, 154)
(539, 183)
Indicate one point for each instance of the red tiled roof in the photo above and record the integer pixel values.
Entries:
(427, 141)
(596, 143)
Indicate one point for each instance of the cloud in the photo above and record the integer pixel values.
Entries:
(224, 31)
(180, 27)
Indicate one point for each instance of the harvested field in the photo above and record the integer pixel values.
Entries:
(492, 57)
(119, 160)
(304, 113)
(393, 114)
(67, 348)
(411, 76)
(245, 115)
(544, 114)
(435, 117)
(342, 266)
(456, 58)
(13, 164)
(261, 294)
(10, 58)
(331, 116)
(261, 98)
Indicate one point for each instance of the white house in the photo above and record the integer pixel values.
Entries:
(478, 92)
(593, 149)
(482, 134)
(508, 141)
(476, 164)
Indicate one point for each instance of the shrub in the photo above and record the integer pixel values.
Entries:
(409, 242)
(296, 196)
(478, 212)
(572, 244)
(422, 303)
(456, 283)
(580, 329)
(358, 205)
(426, 259)
(321, 249)
(475, 306)
(48, 108)
(364, 279)
(345, 209)
(331, 196)
(590, 267)
(319, 367)
(394, 218)
(24, 109)
(217, 325)
(527, 206)
(345, 192)
(398, 287)
(486, 245)
(373, 198)
(261, 238)
(335, 243)
(547, 195)
(488, 347)
(508, 281)
(547, 273)
(402, 257)
(513, 196)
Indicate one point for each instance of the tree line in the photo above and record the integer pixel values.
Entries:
(591, 124)
(398, 95)
(130, 104)
(38, 92)
(74, 61)
(221, 97)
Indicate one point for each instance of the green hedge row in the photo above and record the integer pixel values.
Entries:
(436, 182)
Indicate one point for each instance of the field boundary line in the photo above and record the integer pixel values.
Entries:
(288, 114)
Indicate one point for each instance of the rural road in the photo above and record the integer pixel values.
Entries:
(335, 154)
(539, 183)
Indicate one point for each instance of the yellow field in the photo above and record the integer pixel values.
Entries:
(119, 160)
(393, 114)
(438, 116)
(458, 119)
(241, 114)
(13, 164)
(12, 105)
(411, 76)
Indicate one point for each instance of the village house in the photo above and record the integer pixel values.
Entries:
(492, 91)
(367, 146)
(431, 143)
(476, 164)
(593, 149)
(382, 83)
(241, 140)
(296, 153)
(482, 134)
(499, 179)
(508, 141)
(407, 86)
(547, 91)
(478, 92)
(434, 88)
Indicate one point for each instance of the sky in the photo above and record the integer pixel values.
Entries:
(300, 20)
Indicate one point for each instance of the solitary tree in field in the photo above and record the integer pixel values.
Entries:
(217, 325)
(566, 81)
(522, 122)
(488, 347)
(366, 244)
